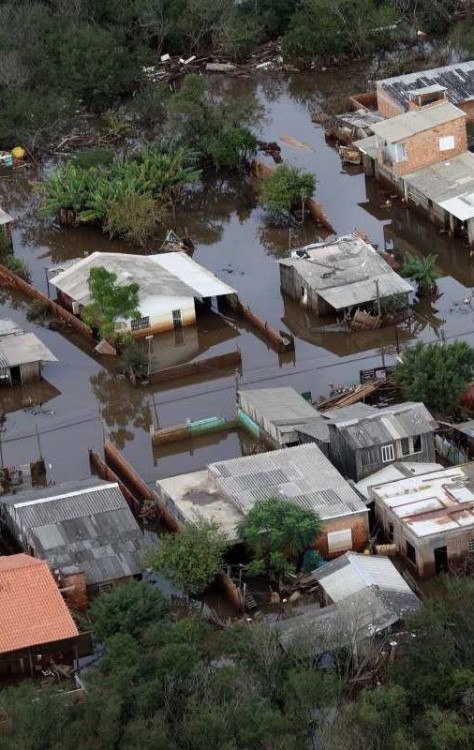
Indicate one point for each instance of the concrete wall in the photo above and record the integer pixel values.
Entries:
(297, 287)
(357, 523)
(423, 149)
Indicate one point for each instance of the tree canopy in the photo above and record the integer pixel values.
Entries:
(277, 532)
(436, 374)
(191, 558)
(287, 188)
(110, 302)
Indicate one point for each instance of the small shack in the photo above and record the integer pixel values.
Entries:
(22, 354)
(84, 530)
(36, 628)
(341, 275)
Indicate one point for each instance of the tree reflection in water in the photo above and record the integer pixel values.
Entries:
(123, 407)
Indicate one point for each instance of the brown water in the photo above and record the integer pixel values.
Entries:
(83, 398)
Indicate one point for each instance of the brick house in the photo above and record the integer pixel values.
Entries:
(226, 491)
(430, 518)
(420, 138)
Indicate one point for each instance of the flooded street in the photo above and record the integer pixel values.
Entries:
(83, 399)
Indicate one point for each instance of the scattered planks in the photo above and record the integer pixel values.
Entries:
(352, 396)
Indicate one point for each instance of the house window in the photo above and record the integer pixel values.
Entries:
(388, 454)
(400, 152)
(471, 545)
(177, 319)
(411, 445)
(369, 457)
(446, 143)
(339, 541)
(411, 553)
(140, 323)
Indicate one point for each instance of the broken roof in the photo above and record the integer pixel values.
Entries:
(302, 474)
(164, 275)
(410, 123)
(386, 425)
(33, 611)
(449, 184)
(456, 79)
(431, 504)
(86, 524)
(346, 271)
(19, 348)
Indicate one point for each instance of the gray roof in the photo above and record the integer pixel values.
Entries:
(410, 123)
(282, 406)
(87, 525)
(353, 572)
(353, 411)
(449, 184)
(457, 80)
(465, 428)
(367, 146)
(302, 474)
(19, 348)
(316, 428)
(386, 425)
(164, 275)
(346, 272)
(393, 472)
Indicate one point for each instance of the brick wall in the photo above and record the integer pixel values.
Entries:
(423, 148)
(359, 525)
(468, 108)
(386, 106)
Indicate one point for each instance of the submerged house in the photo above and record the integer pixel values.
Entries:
(341, 275)
(84, 530)
(430, 518)
(363, 445)
(36, 627)
(403, 93)
(225, 491)
(169, 285)
(22, 354)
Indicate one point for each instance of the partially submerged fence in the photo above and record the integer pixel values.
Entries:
(282, 341)
(212, 366)
(12, 281)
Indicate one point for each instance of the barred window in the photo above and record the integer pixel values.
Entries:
(140, 323)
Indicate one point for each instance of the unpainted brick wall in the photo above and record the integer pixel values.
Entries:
(359, 525)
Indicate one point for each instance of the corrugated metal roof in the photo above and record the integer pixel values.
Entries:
(456, 79)
(87, 524)
(166, 275)
(388, 424)
(353, 411)
(302, 474)
(410, 123)
(282, 406)
(347, 272)
(448, 184)
(353, 572)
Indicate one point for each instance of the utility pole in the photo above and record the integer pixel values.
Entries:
(38, 440)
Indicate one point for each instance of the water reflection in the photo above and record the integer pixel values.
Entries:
(123, 408)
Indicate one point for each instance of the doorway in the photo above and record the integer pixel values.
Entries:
(441, 559)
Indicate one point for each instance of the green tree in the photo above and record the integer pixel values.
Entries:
(421, 270)
(110, 302)
(287, 188)
(277, 531)
(128, 609)
(191, 558)
(436, 374)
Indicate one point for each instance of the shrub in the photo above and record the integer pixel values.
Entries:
(38, 311)
(133, 217)
(93, 157)
(134, 358)
(286, 188)
(19, 267)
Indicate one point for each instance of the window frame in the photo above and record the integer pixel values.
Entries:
(444, 140)
(138, 324)
(386, 450)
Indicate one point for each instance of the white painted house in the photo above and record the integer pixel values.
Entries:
(169, 285)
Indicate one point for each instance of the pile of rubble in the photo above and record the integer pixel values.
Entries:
(269, 59)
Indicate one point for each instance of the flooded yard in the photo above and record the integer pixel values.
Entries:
(83, 399)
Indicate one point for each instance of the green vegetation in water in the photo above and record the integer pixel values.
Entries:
(436, 374)
(421, 270)
(286, 189)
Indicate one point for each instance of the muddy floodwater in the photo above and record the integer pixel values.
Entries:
(82, 398)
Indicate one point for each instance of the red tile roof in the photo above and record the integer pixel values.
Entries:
(32, 610)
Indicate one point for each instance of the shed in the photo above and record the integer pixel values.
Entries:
(280, 412)
(22, 354)
(168, 283)
(339, 275)
(81, 526)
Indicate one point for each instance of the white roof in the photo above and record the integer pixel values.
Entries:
(393, 472)
(410, 123)
(432, 503)
(449, 184)
(168, 275)
(5, 218)
(354, 572)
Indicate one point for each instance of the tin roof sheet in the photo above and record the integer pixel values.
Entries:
(87, 524)
(302, 474)
(456, 79)
(387, 424)
(353, 572)
(282, 406)
(449, 184)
